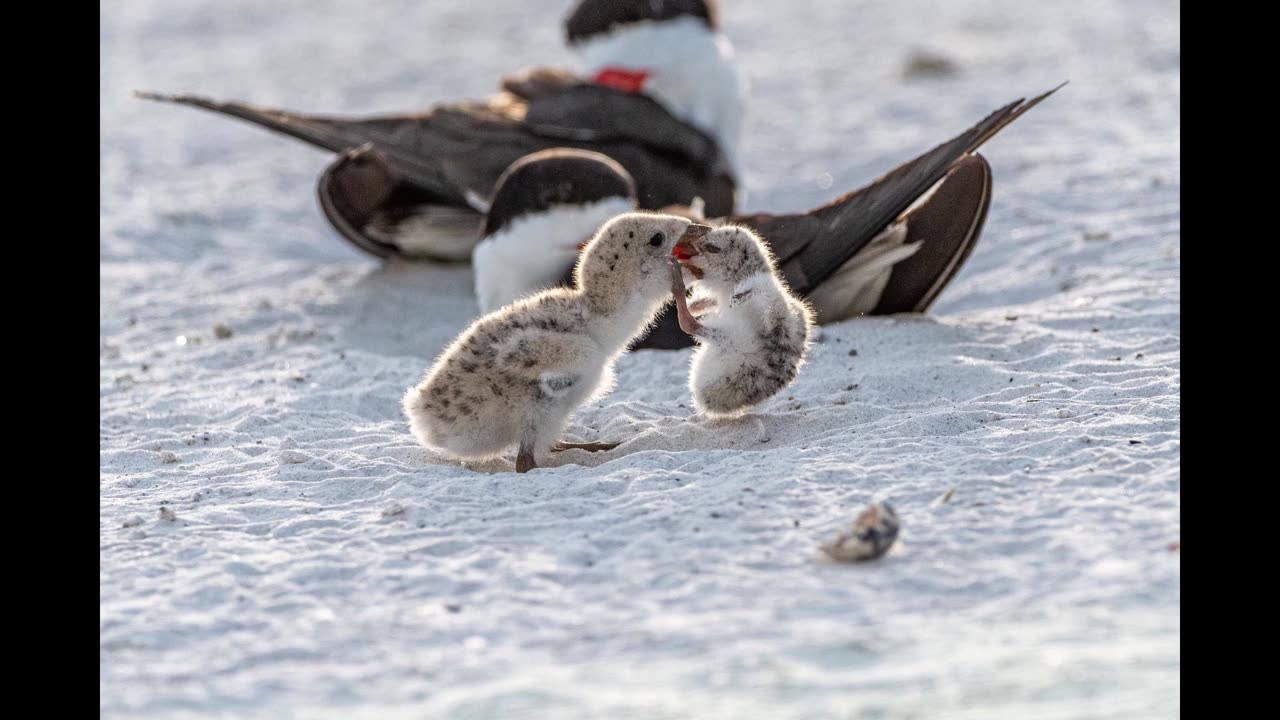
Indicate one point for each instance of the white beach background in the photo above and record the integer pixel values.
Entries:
(321, 565)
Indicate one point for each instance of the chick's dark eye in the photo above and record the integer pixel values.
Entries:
(657, 239)
(713, 249)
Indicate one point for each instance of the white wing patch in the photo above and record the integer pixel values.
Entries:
(856, 287)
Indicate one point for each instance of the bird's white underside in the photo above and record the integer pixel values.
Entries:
(536, 250)
(736, 332)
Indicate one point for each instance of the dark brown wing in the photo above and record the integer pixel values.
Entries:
(810, 246)
(946, 226)
(460, 147)
(562, 106)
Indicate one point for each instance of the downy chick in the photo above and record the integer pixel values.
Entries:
(516, 375)
(755, 333)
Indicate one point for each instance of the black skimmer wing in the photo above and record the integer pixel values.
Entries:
(452, 155)
(561, 105)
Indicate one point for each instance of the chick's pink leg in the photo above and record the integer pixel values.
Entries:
(524, 457)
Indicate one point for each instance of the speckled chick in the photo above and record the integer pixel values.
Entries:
(516, 375)
(754, 334)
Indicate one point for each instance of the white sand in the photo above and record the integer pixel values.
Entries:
(322, 565)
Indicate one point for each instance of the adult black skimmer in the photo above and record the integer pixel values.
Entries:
(660, 95)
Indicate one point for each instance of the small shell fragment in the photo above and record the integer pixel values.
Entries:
(874, 531)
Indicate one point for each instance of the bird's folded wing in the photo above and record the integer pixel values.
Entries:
(562, 106)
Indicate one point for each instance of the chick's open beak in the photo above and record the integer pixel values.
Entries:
(690, 243)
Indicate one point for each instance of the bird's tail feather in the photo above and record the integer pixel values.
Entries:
(847, 224)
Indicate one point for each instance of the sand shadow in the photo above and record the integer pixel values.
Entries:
(402, 308)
